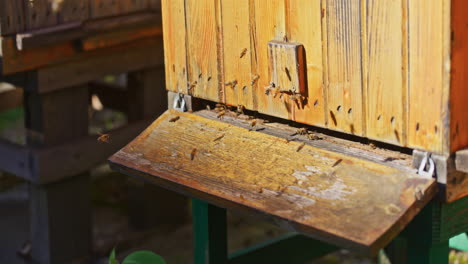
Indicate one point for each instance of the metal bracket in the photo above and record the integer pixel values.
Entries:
(179, 103)
(427, 166)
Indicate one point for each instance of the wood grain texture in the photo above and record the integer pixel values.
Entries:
(73, 11)
(39, 14)
(344, 85)
(386, 71)
(174, 30)
(327, 195)
(103, 8)
(459, 77)
(237, 53)
(426, 125)
(202, 52)
(304, 25)
(270, 24)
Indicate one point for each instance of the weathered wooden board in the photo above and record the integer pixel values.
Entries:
(72, 10)
(459, 77)
(238, 88)
(427, 105)
(304, 25)
(173, 12)
(328, 195)
(270, 24)
(39, 14)
(345, 97)
(103, 8)
(386, 78)
(202, 52)
(12, 17)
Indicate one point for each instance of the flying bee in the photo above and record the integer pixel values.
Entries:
(337, 162)
(244, 51)
(103, 138)
(219, 138)
(174, 119)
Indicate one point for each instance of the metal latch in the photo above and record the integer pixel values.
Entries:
(427, 166)
(179, 103)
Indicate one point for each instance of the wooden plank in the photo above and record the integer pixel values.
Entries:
(459, 77)
(305, 27)
(129, 6)
(345, 97)
(315, 191)
(461, 160)
(202, 52)
(174, 35)
(386, 71)
(12, 17)
(237, 53)
(426, 125)
(143, 54)
(72, 10)
(104, 8)
(270, 24)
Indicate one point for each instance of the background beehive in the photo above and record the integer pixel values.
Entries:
(375, 68)
(17, 16)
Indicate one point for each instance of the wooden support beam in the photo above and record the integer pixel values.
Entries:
(10, 97)
(461, 160)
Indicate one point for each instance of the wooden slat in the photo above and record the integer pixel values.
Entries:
(270, 24)
(129, 6)
(174, 34)
(345, 96)
(237, 53)
(305, 27)
(327, 195)
(426, 126)
(73, 10)
(12, 17)
(386, 71)
(202, 52)
(104, 8)
(459, 76)
(146, 53)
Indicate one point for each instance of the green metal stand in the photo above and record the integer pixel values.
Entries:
(425, 239)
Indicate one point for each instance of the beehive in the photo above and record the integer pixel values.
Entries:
(390, 71)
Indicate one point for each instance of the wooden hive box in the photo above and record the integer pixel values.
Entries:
(385, 71)
(391, 71)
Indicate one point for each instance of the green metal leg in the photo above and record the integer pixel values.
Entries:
(210, 233)
(423, 241)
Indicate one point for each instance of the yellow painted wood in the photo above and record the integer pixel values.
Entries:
(426, 126)
(237, 53)
(345, 93)
(202, 52)
(174, 34)
(312, 190)
(305, 26)
(270, 24)
(386, 70)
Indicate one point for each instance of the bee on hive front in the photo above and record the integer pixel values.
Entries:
(103, 138)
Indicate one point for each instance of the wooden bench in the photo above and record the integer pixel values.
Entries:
(390, 75)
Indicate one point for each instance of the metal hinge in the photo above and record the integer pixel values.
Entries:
(427, 166)
(179, 103)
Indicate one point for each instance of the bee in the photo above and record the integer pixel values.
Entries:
(219, 138)
(253, 123)
(255, 79)
(233, 84)
(103, 138)
(208, 107)
(221, 114)
(300, 147)
(286, 70)
(372, 145)
(337, 162)
(302, 131)
(312, 136)
(296, 97)
(272, 89)
(244, 51)
(192, 154)
(240, 109)
(192, 85)
(174, 119)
